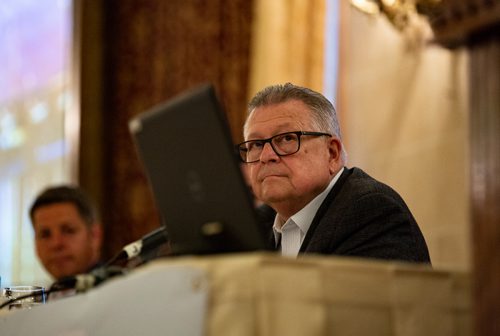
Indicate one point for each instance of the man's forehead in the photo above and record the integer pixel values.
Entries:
(56, 212)
(288, 116)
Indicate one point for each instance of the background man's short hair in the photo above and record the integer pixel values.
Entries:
(66, 194)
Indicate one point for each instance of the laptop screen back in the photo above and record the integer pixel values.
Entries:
(187, 152)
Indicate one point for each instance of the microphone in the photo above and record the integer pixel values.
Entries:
(83, 282)
(147, 243)
(144, 245)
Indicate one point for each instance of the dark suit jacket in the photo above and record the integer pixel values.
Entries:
(362, 217)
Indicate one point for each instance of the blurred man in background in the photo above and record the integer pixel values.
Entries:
(68, 235)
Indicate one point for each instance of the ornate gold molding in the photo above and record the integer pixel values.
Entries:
(453, 22)
(399, 12)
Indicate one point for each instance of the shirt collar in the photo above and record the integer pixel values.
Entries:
(303, 218)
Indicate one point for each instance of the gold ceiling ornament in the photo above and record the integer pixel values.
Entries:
(411, 17)
(366, 6)
(402, 14)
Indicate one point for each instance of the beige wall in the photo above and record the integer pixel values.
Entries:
(404, 121)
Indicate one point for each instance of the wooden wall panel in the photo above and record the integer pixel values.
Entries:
(152, 50)
(475, 24)
(485, 181)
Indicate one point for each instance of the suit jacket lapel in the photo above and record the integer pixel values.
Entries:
(324, 207)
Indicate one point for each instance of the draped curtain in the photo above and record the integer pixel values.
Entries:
(288, 43)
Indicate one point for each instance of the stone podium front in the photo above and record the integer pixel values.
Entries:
(262, 294)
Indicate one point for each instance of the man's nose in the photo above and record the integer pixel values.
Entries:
(56, 241)
(268, 154)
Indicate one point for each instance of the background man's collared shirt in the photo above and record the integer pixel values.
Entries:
(293, 231)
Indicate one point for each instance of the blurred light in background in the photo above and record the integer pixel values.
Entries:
(35, 58)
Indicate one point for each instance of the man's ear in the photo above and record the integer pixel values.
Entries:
(96, 233)
(335, 153)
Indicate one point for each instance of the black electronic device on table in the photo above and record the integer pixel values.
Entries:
(186, 149)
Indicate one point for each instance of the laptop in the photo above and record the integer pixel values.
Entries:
(186, 149)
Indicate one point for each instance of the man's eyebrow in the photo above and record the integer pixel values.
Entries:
(284, 128)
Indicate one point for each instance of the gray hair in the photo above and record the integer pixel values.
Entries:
(324, 116)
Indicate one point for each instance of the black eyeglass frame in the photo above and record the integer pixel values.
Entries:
(269, 140)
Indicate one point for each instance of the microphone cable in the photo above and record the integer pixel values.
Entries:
(81, 283)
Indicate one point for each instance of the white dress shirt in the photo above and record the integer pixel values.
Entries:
(293, 231)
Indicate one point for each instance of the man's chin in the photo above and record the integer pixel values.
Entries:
(59, 272)
(273, 197)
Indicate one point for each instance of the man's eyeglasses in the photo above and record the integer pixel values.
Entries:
(283, 144)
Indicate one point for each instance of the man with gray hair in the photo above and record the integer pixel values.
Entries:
(295, 162)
